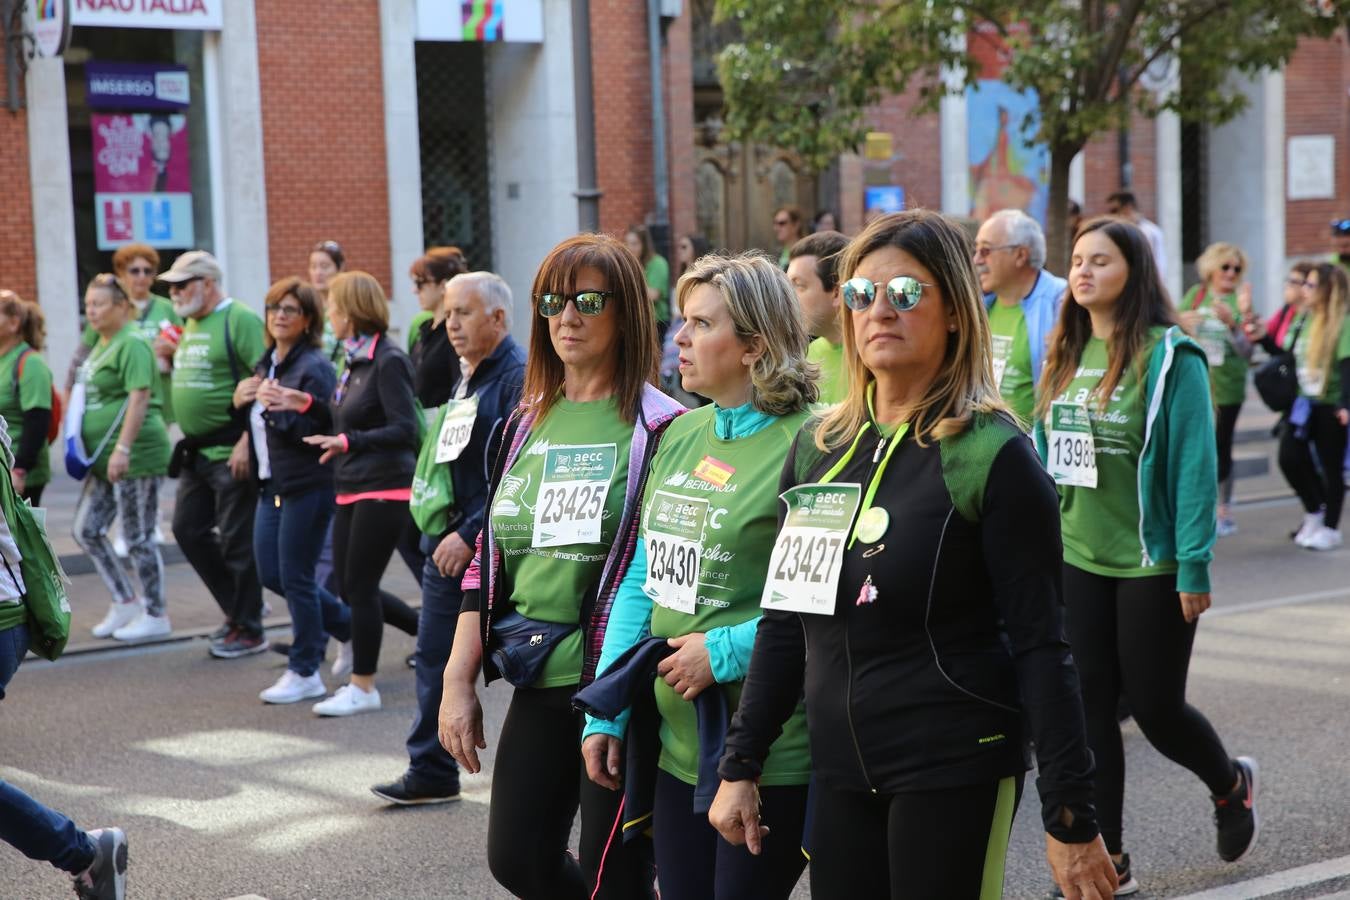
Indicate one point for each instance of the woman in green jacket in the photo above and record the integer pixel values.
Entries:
(25, 393)
(1125, 427)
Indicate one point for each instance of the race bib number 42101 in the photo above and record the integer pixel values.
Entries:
(1072, 456)
(804, 566)
(570, 507)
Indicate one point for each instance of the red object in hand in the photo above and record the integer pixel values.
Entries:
(170, 332)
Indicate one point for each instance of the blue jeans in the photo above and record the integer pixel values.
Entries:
(427, 760)
(288, 533)
(26, 825)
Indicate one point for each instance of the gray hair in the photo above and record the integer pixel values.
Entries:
(1021, 230)
(489, 287)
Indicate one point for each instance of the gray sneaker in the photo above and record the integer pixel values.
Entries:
(106, 877)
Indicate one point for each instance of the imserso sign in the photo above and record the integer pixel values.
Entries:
(201, 15)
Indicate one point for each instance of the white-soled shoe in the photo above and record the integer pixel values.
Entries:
(342, 663)
(119, 614)
(348, 701)
(1323, 538)
(292, 687)
(143, 626)
(1311, 522)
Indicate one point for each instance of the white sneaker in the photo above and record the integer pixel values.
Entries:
(342, 664)
(120, 545)
(293, 687)
(1323, 538)
(159, 535)
(119, 614)
(1311, 522)
(143, 626)
(348, 701)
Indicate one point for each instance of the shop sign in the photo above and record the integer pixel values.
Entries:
(202, 15)
(48, 21)
(519, 21)
(138, 86)
(142, 179)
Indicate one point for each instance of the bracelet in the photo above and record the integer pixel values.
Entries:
(123, 448)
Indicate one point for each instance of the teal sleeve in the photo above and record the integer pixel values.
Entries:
(1038, 436)
(729, 650)
(630, 620)
(1192, 469)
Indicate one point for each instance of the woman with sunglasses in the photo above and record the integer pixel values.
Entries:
(295, 492)
(913, 594)
(707, 523)
(123, 428)
(1123, 423)
(1212, 312)
(560, 525)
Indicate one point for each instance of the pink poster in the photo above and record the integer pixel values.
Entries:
(141, 153)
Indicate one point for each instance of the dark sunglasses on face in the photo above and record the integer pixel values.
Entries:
(589, 303)
(1294, 281)
(1229, 267)
(781, 222)
(141, 271)
(284, 309)
(183, 285)
(903, 291)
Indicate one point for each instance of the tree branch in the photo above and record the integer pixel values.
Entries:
(1167, 43)
(1109, 61)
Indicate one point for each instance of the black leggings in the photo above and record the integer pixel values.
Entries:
(364, 535)
(694, 862)
(538, 782)
(1316, 489)
(1129, 637)
(920, 844)
(1225, 425)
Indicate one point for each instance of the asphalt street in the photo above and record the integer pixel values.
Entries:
(223, 797)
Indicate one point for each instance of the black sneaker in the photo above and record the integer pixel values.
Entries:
(406, 792)
(238, 644)
(1125, 880)
(106, 877)
(282, 647)
(1235, 814)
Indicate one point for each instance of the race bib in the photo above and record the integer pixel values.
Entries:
(1312, 381)
(674, 536)
(1213, 339)
(804, 566)
(570, 507)
(456, 429)
(1072, 458)
(1002, 349)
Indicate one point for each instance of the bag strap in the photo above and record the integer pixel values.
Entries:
(98, 451)
(229, 347)
(1199, 297)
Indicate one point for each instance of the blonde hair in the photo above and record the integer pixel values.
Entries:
(761, 303)
(965, 384)
(1328, 315)
(1216, 255)
(359, 297)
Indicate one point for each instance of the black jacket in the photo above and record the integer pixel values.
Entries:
(295, 464)
(376, 414)
(435, 366)
(928, 685)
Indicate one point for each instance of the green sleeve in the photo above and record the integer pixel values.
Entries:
(658, 275)
(1192, 467)
(967, 458)
(246, 332)
(35, 386)
(136, 364)
(1343, 342)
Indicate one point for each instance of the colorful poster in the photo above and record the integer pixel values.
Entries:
(1008, 170)
(480, 20)
(138, 86)
(142, 179)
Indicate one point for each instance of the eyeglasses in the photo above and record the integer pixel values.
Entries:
(903, 291)
(141, 271)
(1295, 281)
(284, 309)
(982, 252)
(1229, 267)
(589, 303)
(779, 223)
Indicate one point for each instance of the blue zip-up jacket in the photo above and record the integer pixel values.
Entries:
(1040, 308)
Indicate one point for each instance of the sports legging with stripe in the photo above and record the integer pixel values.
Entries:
(1129, 638)
(948, 843)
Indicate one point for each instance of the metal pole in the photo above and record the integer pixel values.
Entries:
(11, 11)
(588, 193)
(660, 228)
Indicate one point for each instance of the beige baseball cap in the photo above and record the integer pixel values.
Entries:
(193, 264)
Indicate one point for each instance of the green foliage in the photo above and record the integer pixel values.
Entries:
(804, 72)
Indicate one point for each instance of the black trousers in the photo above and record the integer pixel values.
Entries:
(1225, 426)
(1323, 485)
(1129, 638)
(364, 536)
(213, 525)
(538, 783)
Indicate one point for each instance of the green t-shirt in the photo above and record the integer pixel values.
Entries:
(830, 358)
(115, 368)
(1227, 367)
(147, 322)
(1101, 524)
(1323, 387)
(693, 475)
(573, 472)
(1012, 358)
(415, 326)
(203, 379)
(34, 392)
(657, 273)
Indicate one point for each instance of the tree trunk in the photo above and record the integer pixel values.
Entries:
(1057, 238)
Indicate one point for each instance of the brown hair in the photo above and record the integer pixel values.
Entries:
(333, 250)
(124, 254)
(438, 264)
(359, 297)
(32, 324)
(965, 384)
(645, 239)
(637, 353)
(308, 298)
(1143, 304)
(825, 246)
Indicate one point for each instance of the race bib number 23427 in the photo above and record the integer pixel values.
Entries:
(808, 554)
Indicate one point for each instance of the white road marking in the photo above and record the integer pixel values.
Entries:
(1276, 602)
(1279, 882)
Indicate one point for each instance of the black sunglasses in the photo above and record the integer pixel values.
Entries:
(179, 285)
(903, 291)
(589, 303)
(288, 309)
(1229, 267)
(141, 271)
